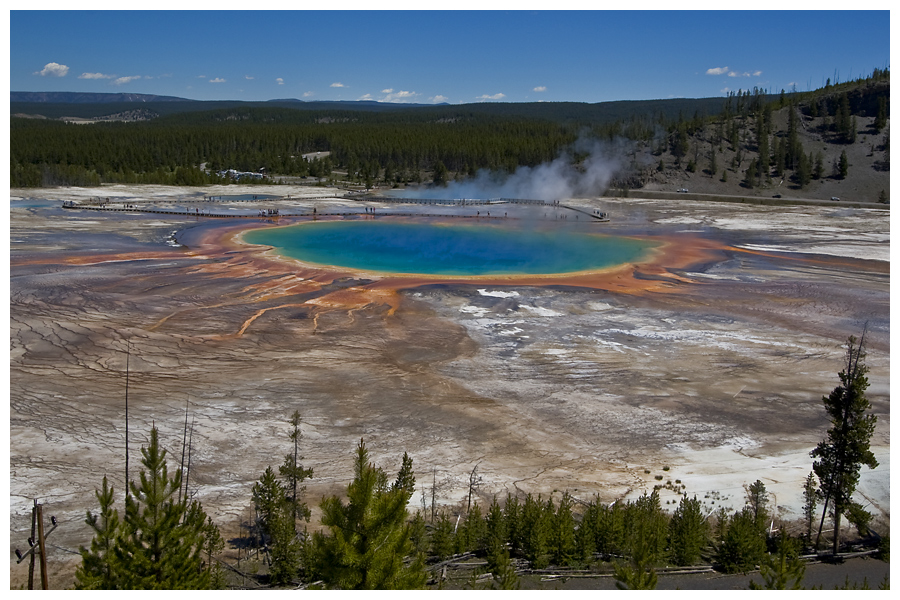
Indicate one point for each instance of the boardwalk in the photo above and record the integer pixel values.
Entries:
(148, 206)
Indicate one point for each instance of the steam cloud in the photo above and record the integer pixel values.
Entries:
(555, 180)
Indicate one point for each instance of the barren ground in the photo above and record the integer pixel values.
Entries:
(705, 368)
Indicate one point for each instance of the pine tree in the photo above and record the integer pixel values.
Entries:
(750, 177)
(841, 455)
(471, 531)
(843, 165)
(562, 533)
(609, 529)
(639, 574)
(803, 174)
(97, 570)
(779, 157)
(213, 544)
(881, 116)
(501, 568)
(859, 518)
(406, 478)
(819, 168)
(680, 143)
(646, 524)
(743, 545)
(762, 146)
(810, 501)
(269, 499)
(418, 533)
(162, 539)
(443, 541)
(278, 527)
(512, 513)
(585, 542)
(535, 531)
(439, 173)
(369, 536)
(757, 500)
(721, 526)
(688, 532)
(784, 570)
(794, 149)
(294, 474)
(286, 549)
(843, 122)
(496, 530)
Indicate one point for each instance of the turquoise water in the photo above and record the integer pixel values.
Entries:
(431, 249)
(34, 203)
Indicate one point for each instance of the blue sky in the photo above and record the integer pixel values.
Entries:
(441, 56)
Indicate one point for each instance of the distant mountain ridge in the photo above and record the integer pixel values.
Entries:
(60, 105)
(109, 98)
(89, 97)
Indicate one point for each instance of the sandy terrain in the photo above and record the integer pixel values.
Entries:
(705, 366)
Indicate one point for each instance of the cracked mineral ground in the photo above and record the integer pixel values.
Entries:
(702, 369)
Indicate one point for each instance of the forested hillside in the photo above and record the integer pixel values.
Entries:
(834, 142)
(733, 145)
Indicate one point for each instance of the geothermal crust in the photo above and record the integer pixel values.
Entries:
(701, 370)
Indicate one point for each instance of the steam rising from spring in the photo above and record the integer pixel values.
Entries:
(556, 180)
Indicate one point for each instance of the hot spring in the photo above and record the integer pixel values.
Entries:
(440, 249)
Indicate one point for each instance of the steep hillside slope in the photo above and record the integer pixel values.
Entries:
(720, 154)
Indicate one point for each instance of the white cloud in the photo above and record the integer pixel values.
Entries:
(53, 70)
(439, 98)
(744, 74)
(279, 80)
(217, 80)
(497, 96)
(337, 84)
(249, 77)
(725, 90)
(127, 79)
(308, 94)
(387, 91)
(401, 96)
(365, 97)
(717, 71)
(201, 76)
(95, 76)
(757, 73)
(540, 88)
